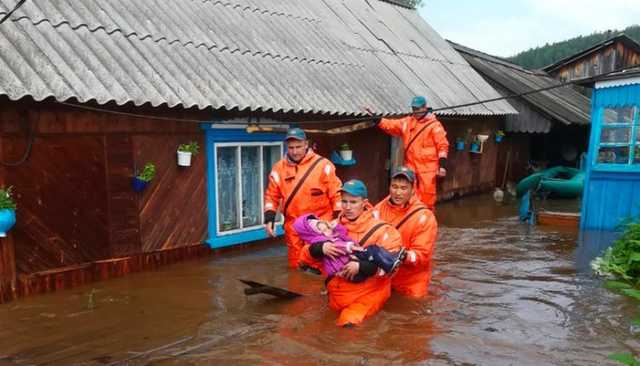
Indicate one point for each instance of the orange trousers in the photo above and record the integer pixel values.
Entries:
(357, 301)
(426, 187)
(412, 282)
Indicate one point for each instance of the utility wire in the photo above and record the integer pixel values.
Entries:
(367, 118)
(10, 13)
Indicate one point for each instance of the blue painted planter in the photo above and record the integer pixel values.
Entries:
(7, 220)
(138, 184)
(499, 138)
(475, 147)
(460, 145)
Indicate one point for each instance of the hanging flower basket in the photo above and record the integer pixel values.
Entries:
(140, 182)
(7, 211)
(186, 151)
(499, 136)
(345, 152)
(475, 147)
(460, 145)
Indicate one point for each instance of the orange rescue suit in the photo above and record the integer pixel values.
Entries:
(424, 152)
(319, 194)
(357, 301)
(419, 234)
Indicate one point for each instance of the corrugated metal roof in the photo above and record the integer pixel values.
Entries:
(562, 104)
(318, 56)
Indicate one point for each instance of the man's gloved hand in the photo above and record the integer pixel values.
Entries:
(269, 222)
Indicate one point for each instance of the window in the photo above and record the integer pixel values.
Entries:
(242, 171)
(619, 141)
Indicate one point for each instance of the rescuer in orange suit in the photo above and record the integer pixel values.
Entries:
(302, 182)
(425, 146)
(418, 228)
(357, 301)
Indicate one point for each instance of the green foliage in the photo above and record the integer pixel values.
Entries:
(625, 359)
(148, 173)
(6, 202)
(191, 147)
(622, 259)
(345, 146)
(539, 57)
(409, 3)
(500, 133)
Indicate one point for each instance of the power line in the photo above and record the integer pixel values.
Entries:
(10, 13)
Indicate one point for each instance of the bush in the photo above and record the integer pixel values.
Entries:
(622, 259)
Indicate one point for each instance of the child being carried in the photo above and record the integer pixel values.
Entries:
(316, 232)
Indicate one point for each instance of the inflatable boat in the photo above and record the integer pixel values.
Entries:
(559, 181)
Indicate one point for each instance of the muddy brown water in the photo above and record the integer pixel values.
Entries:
(503, 294)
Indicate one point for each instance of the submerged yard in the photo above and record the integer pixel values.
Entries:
(503, 294)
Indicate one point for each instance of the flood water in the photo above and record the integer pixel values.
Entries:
(503, 294)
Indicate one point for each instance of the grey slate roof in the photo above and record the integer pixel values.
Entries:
(320, 56)
(536, 111)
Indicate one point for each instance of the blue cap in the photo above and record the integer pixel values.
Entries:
(355, 187)
(419, 102)
(296, 134)
(404, 172)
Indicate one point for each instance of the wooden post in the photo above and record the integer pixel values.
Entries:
(7, 250)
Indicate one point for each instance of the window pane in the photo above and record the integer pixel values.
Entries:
(270, 156)
(618, 115)
(227, 173)
(619, 135)
(251, 192)
(613, 155)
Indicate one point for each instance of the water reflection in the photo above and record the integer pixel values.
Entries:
(503, 293)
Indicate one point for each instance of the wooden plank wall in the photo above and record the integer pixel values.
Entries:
(76, 208)
(371, 149)
(468, 172)
(173, 209)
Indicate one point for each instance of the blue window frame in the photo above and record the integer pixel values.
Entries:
(238, 165)
(618, 139)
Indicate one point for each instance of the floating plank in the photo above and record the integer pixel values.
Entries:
(260, 288)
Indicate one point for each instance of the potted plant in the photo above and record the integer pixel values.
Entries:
(7, 211)
(186, 151)
(141, 181)
(475, 146)
(460, 144)
(345, 152)
(499, 136)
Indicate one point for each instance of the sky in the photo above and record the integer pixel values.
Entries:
(506, 27)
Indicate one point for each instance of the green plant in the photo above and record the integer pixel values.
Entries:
(6, 202)
(148, 173)
(345, 146)
(622, 259)
(191, 147)
(460, 139)
(625, 359)
(500, 133)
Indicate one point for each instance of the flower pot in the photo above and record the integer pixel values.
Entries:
(138, 184)
(7, 220)
(499, 138)
(460, 145)
(346, 155)
(184, 158)
(475, 147)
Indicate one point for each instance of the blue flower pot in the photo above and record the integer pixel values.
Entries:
(7, 220)
(460, 145)
(474, 147)
(138, 184)
(499, 138)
